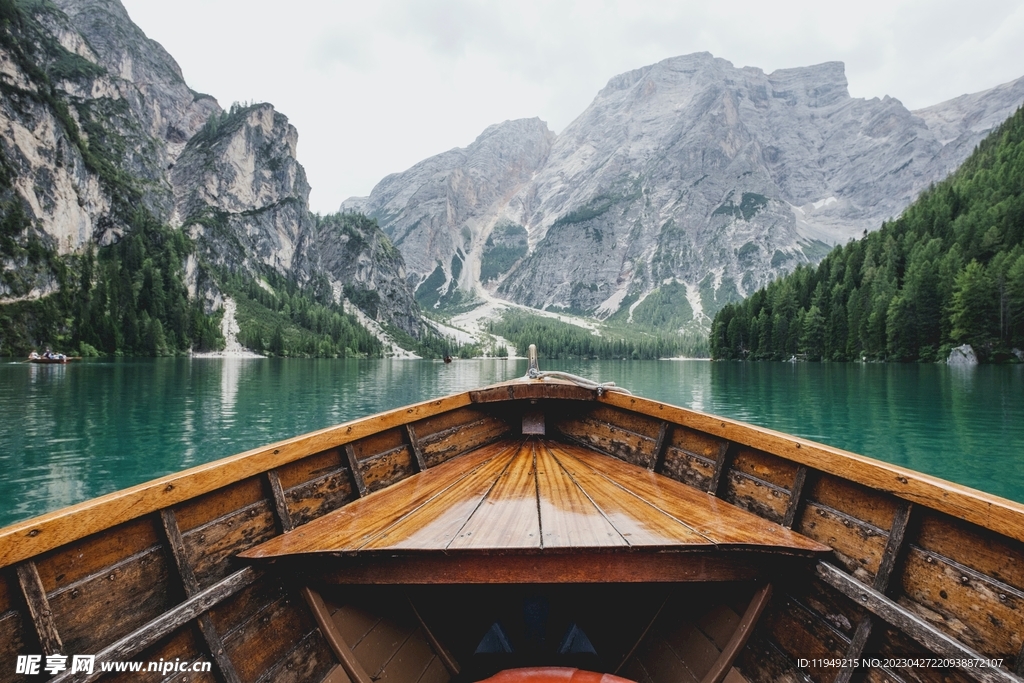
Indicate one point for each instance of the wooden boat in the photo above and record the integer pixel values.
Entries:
(535, 523)
(52, 361)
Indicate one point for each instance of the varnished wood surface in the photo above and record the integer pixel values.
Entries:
(552, 566)
(535, 494)
(959, 575)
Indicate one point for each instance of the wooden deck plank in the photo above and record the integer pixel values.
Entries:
(508, 516)
(410, 662)
(568, 517)
(638, 522)
(380, 645)
(359, 522)
(435, 673)
(435, 524)
(718, 521)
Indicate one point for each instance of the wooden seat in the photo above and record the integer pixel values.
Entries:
(536, 510)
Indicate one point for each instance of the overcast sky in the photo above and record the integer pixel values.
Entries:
(375, 86)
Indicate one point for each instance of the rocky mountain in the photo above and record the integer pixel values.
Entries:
(690, 180)
(100, 134)
(441, 212)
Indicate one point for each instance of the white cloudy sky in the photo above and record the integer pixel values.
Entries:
(374, 86)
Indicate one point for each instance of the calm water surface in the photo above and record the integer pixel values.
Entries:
(69, 433)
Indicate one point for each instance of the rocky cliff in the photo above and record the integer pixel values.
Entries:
(689, 177)
(99, 133)
(441, 211)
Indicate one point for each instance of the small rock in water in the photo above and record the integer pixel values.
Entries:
(962, 355)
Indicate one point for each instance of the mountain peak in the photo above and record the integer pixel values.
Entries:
(690, 174)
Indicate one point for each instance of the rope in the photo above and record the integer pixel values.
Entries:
(601, 387)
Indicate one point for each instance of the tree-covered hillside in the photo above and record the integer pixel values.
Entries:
(136, 284)
(556, 339)
(948, 271)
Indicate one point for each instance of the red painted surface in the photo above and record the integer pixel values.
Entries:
(553, 674)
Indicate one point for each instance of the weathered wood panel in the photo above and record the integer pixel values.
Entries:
(756, 495)
(308, 662)
(891, 642)
(800, 633)
(184, 645)
(211, 548)
(38, 608)
(836, 609)
(858, 547)
(372, 446)
(8, 583)
(986, 510)
(384, 469)
(237, 610)
(694, 648)
(974, 547)
(216, 504)
(610, 439)
(104, 607)
(873, 507)
(765, 467)
(688, 467)
(267, 637)
(931, 637)
(444, 422)
(982, 613)
(697, 443)
(78, 560)
(761, 661)
(16, 638)
(442, 446)
(637, 423)
(308, 469)
(317, 497)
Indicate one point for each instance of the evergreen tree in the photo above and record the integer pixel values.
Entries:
(948, 271)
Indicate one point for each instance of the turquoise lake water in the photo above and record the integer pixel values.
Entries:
(69, 433)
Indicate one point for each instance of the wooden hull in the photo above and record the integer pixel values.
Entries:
(920, 568)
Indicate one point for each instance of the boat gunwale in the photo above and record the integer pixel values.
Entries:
(986, 510)
(36, 535)
(29, 538)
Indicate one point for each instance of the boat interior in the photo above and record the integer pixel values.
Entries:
(532, 523)
(642, 631)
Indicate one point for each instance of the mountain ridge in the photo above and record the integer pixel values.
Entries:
(114, 172)
(693, 173)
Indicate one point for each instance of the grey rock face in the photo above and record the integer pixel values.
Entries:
(241, 181)
(231, 179)
(443, 209)
(694, 173)
(962, 355)
(362, 264)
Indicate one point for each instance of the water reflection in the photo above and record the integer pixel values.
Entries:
(68, 433)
